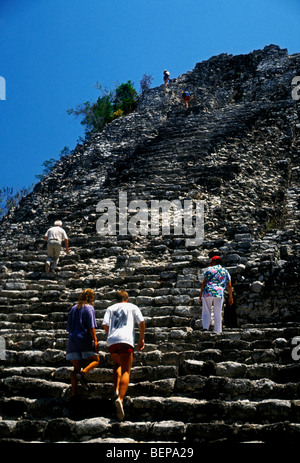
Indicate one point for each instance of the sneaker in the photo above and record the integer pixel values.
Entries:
(82, 380)
(120, 410)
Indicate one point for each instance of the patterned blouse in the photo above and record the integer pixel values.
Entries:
(217, 278)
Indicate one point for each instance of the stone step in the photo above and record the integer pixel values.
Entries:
(99, 375)
(58, 320)
(163, 296)
(161, 318)
(204, 410)
(104, 430)
(44, 363)
(175, 343)
(54, 356)
(237, 420)
(165, 381)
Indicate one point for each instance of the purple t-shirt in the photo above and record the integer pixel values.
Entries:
(79, 323)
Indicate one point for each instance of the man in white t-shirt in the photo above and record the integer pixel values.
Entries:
(54, 236)
(118, 323)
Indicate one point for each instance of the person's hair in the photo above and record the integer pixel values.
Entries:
(121, 296)
(86, 297)
(58, 223)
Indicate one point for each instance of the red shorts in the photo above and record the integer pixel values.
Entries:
(120, 348)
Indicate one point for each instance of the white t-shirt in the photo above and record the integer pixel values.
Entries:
(56, 233)
(120, 319)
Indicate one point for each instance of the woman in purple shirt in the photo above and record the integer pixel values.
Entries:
(82, 343)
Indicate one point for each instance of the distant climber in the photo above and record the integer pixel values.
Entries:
(216, 279)
(166, 77)
(118, 323)
(54, 236)
(186, 97)
(82, 343)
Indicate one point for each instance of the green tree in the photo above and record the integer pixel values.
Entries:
(108, 107)
(126, 98)
(95, 115)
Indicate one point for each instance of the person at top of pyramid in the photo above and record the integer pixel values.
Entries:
(166, 77)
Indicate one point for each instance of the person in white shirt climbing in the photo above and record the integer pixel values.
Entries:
(54, 237)
(118, 323)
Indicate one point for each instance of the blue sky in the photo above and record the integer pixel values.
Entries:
(53, 52)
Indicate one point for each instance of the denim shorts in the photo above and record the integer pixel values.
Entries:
(80, 355)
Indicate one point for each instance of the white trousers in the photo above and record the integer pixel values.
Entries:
(207, 303)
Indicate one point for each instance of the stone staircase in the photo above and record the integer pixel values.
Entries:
(236, 149)
(187, 386)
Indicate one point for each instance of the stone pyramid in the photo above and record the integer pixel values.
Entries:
(235, 150)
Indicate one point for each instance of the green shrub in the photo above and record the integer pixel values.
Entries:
(108, 107)
(125, 99)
